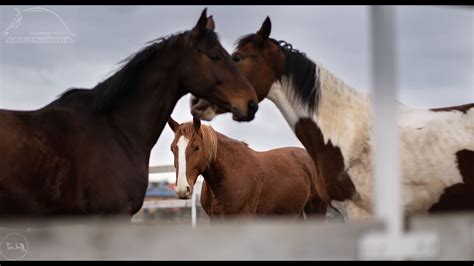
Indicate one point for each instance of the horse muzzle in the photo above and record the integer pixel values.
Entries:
(249, 115)
(186, 194)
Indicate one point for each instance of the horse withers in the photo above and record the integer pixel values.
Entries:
(88, 151)
(239, 181)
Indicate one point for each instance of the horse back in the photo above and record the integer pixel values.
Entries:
(459, 108)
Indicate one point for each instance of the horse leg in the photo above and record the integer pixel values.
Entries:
(302, 215)
(315, 207)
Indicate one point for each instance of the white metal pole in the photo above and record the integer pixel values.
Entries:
(193, 208)
(388, 206)
(194, 198)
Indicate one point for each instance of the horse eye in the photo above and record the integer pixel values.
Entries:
(196, 148)
(236, 58)
(214, 57)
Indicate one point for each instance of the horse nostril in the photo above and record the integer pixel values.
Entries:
(188, 189)
(252, 107)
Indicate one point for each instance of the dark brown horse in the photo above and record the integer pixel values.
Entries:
(239, 180)
(88, 151)
(334, 121)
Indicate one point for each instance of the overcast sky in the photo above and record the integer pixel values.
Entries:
(435, 54)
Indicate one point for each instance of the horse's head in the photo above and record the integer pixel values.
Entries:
(208, 72)
(259, 58)
(194, 147)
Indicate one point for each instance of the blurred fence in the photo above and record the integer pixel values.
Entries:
(192, 204)
(274, 239)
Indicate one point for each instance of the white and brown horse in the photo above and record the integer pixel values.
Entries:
(333, 121)
(241, 181)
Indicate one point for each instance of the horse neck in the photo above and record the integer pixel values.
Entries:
(340, 112)
(143, 114)
(219, 173)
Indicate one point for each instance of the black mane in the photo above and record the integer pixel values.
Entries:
(300, 68)
(107, 92)
(119, 84)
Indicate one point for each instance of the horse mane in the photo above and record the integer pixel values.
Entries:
(122, 82)
(117, 86)
(68, 92)
(209, 138)
(300, 72)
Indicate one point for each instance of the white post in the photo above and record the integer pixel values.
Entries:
(194, 199)
(388, 208)
(193, 209)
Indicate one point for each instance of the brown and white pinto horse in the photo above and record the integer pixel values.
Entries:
(239, 180)
(333, 121)
(88, 151)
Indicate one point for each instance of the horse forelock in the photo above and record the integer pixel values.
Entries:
(208, 135)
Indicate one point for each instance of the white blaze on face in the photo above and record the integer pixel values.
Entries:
(182, 182)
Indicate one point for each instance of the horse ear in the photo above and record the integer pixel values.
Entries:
(173, 124)
(210, 23)
(201, 24)
(196, 123)
(264, 32)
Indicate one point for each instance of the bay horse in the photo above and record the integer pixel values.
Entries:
(239, 181)
(334, 123)
(88, 151)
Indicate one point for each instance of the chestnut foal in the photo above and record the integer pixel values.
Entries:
(239, 180)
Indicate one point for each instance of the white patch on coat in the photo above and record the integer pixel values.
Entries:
(182, 180)
(209, 112)
(278, 97)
